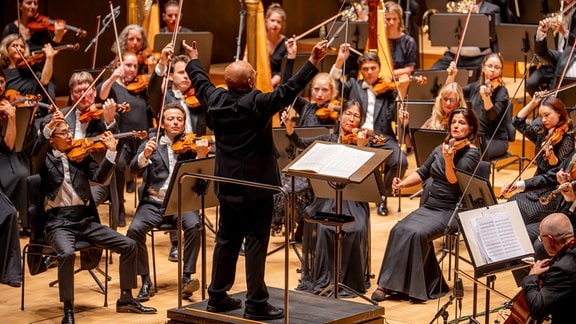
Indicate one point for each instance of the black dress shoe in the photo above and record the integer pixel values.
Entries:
(263, 312)
(133, 306)
(189, 286)
(145, 292)
(173, 255)
(16, 283)
(68, 316)
(223, 304)
(382, 209)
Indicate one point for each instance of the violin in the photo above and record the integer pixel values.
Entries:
(40, 57)
(187, 143)
(40, 23)
(16, 99)
(386, 84)
(138, 85)
(329, 111)
(147, 56)
(95, 112)
(492, 85)
(190, 98)
(84, 146)
(455, 145)
(352, 138)
(552, 138)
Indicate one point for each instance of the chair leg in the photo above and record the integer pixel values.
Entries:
(24, 254)
(153, 260)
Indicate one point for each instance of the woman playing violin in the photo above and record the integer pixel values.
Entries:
(489, 100)
(35, 39)
(133, 39)
(550, 133)
(410, 268)
(450, 97)
(318, 265)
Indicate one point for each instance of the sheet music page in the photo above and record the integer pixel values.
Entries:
(332, 160)
(496, 236)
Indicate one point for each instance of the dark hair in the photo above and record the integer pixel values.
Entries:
(369, 56)
(348, 105)
(486, 58)
(173, 105)
(559, 107)
(471, 119)
(171, 3)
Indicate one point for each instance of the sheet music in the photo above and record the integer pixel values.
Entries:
(496, 236)
(332, 160)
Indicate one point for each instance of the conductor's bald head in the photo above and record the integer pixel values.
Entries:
(240, 76)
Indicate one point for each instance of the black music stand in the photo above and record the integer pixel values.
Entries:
(199, 196)
(479, 193)
(204, 39)
(497, 240)
(445, 29)
(357, 34)
(322, 161)
(568, 96)
(425, 141)
(24, 117)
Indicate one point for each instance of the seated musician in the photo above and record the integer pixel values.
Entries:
(71, 212)
(10, 265)
(378, 100)
(549, 288)
(158, 160)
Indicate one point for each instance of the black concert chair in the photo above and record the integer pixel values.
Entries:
(38, 252)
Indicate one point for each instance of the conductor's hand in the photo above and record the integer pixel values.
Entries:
(191, 50)
(288, 123)
(318, 52)
(150, 147)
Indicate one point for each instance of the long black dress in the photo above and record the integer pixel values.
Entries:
(410, 264)
(318, 241)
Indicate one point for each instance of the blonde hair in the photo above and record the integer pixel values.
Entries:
(79, 78)
(393, 7)
(326, 77)
(276, 8)
(437, 112)
(6, 42)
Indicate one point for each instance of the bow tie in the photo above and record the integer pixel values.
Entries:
(178, 95)
(365, 85)
(164, 140)
(58, 154)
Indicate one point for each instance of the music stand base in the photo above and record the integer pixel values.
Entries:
(329, 290)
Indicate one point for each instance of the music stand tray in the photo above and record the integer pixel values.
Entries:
(519, 40)
(204, 40)
(445, 29)
(357, 34)
(425, 141)
(24, 117)
(286, 149)
(479, 193)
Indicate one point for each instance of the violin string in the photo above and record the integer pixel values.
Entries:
(37, 80)
(85, 92)
(168, 68)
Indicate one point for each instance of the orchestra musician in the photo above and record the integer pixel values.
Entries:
(550, 133)
(549, 288)
(449, 97)
(245, 151)
(403, 47)
(275, 40)
(138, 118)
(318, 259)
(158, 160)
(133, 39)
(170, 17)
(35, 38)
(71, 212)
(380, 109)
(410, 268)
(10, 265)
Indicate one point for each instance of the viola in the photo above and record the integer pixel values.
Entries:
(95, 112)
(190, 98)
(554, 138)
(352, 137)
(187, 142)
(40, 57)
(329, 111)
(40, 23)
(138, 85)
(84, 146)
(456, 145)
(386, 84)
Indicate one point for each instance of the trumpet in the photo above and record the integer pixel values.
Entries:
(461, 6)
(544, 200)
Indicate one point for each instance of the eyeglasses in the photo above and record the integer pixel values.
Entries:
(63, 133)
(493, 67)
(351, 115)
(450, 100)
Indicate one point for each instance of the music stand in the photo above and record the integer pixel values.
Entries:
(445, 29)
(519, 40)
(568, 96)
(497, 240)
(420, 111)
(479, 193)
(301, 58)
(286, 149)
(425, 141)
(436, 80)
(322, 161)
(200, 195)
(24, 117)
(203, 39)
(357, 34)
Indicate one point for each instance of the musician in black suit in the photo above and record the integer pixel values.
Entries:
(242, 119)
(549, 288)
(72, 215)
(157, 161)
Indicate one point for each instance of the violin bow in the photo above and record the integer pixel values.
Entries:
(115, 33)
(85, 92)
(461, 40)
(565, 66)
(168, 68)
(37, 80)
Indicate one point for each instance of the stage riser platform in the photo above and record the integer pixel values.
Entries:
(304, 308)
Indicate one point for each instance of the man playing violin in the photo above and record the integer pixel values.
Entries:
(549, 288)
(380, 111)
(158, 160)
(71, 212)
